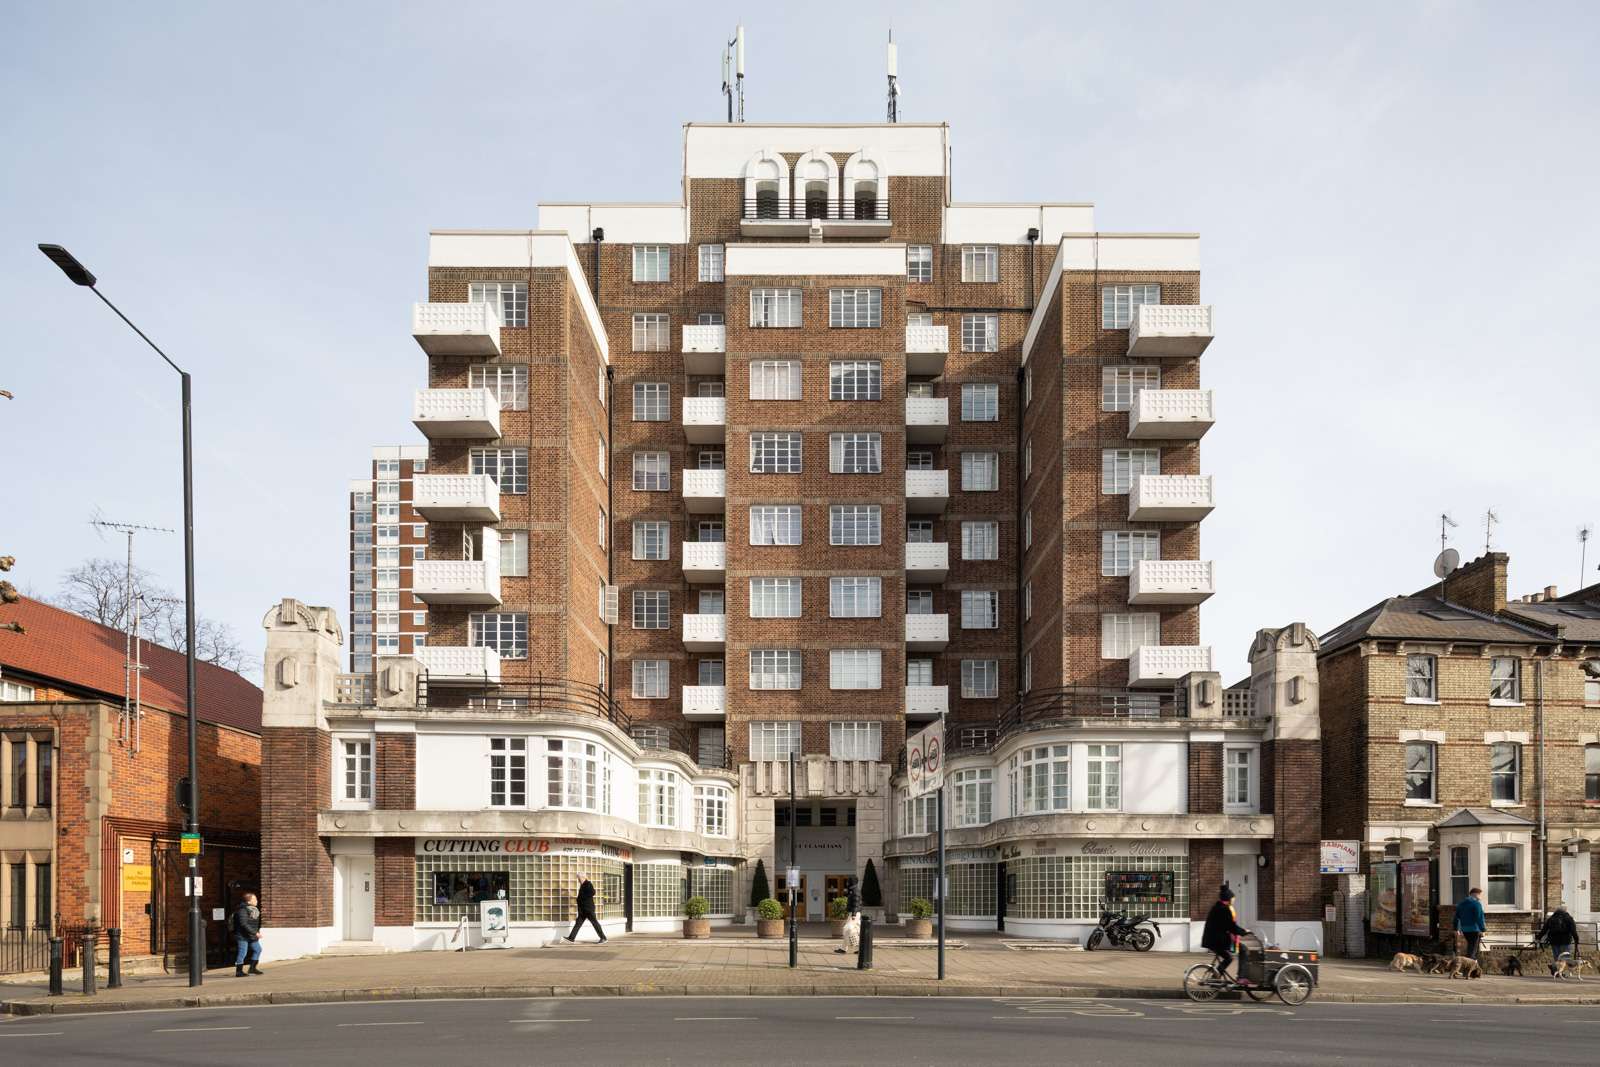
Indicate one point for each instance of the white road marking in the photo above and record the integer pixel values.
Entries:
(407, 1022)
(866, 1018)
(195, 1029)
(40, 1033)
(716, 1019)
(540, 1022)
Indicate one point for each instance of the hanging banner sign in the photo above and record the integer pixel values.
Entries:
(925, 760)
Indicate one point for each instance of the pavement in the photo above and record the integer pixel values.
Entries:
(739, 964)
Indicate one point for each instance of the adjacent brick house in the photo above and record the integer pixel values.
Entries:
(89, 821)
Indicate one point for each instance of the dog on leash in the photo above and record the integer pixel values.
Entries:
(1432, 964)
(1570, 966)
(1465, 967)
(1405, 961)
(1512, 967)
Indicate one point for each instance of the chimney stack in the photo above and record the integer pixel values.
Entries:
(1549, 592)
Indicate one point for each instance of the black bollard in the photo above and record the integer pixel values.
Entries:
(114, 958)
(864, 953)
(88, 964)
(55, 966)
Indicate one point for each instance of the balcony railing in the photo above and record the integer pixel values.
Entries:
(705, 419)
(926, 346)
(705, 703)
(927, 419)
(705, 633)
(1171, 497)
(1171, 414)
(474, 582)
(1238, 704)
(1171, 581)
(705, 338)
(453, 664)
(704, 492)
(539, 696)
(1163, 665)
(774, 209)
(927, 633)
(705, 561)
(927, 561)
(1169, 331)
(456, 497)
(927, 491)
(456, 413)
(927, 701)
(457, 329)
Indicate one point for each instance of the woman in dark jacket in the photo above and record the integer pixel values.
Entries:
(1222, 930)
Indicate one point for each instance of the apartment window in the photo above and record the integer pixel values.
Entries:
(774, 308)
(1119, 385)
(513, 553)
(1236, 778)
(1422, 678)
(775, 524)
(775, 668)
(652, 540)
(775, 453)
(711, 459)
(855, 668)
(918, 815)
(1046, 773)
(388, 577)
(388, 513)
(1118, 301)
(1027, 671)
(855, 740)
(652, 263)
(652, 472)
(510, 298)
(980, 472)
(504, 631)
(1502, 885)
(1103, 776)
(508, 772)
(600, 527)
(855, 598)
(919, 602)
(1027, 385)
(855, 524)
(1121, 549)
(774, 740)
(980, 609)
(980, 679)
(710, 530)
(356, 771)
(980, 263)
(980, 540)
(650, 609)
(15, 691)
(855, 453)
(855, 308)
(1120, 466)
(1027, 530)
(858, 379)
(388, 622)
(388, 644)
(1591, 690)
(1505, 680)
(658, 798)
(507, 467)
(650, 679)
(573, 773)
(1460, 876)
(1420, 767)
(650, 402)
(774, 379)
(711, 263)
(711, 671)
(1591, 773)
(775, 598)
(919, 671)
(507, 381)
(651, 332)
(388, 535)
(980, 402)
(600, 458)
(980, 333)
(711, 808)
(919, 459)
(1120, 634)
(971, 797)
(919, 263)
(1027, 459)
(1505, 772)
(362, 602)
(388, 490)
(919, 531)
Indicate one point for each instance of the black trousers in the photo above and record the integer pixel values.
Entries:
(1472, 944)
(588, 916)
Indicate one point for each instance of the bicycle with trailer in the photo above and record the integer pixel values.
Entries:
(1291, 974)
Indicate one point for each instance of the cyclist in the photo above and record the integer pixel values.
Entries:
(1222, 932)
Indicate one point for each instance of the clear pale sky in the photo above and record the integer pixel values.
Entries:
(1396, 201)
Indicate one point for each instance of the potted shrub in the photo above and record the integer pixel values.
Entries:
(838, 912)
(695, 923)
(872, 894)
(759, 890)
(921, 924)
(769, 918)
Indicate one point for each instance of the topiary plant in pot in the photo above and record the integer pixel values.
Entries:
(695, 923)
(769, 918)
(838, 912)
(921, 924)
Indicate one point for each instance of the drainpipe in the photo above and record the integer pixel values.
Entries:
(599, 236)
(1538, 721)
(1022, 371)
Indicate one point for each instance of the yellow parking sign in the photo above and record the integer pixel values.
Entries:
(189, 844)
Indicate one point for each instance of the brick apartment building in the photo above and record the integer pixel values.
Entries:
(1460, 737)
(387, 537)
(799, 463)
(89, 821)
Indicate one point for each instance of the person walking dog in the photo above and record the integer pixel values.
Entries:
(852, 917)
(245, 922)
(585, 911)
(1560, 933)
(1470, 921)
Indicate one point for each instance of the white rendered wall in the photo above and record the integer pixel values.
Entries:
(453, 772)
(905, 148)
(839, 259)
(1009, 223)
(1155, 778)
(623, 223)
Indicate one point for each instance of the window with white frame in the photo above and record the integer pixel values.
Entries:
(572, 773)
(1027, 459)
(1591, 773)
(1505, 680)
(600, 458)
(507, 381)
(508, 772)
(652, 472)
(1119, 385)
(1118, 301)
(650, 679)
(1502, 869)
(651, 332)
(652, 540)
(980, 609)
(388, 577)
(1420, 771)
(774, 379)
(919, 601)
(600, 527)
(510, 298)
(1237, 772)
(1121, 549)
(1121, 633)
(774, 740)
(355, 770)
(504, 631)
(1046, 778)
(855, 598)
(855, 524)
(1120, 466)
(855, 668)
(1103, 777)
(980, 679)
(652, 263)
(1422, 678)
(1027, 600)
(775, 598)
(980, 333)
(980, 472)
(775, 524)
(1027, 670)
(775, 668)
(980, 402)
(709, 318)
(651, 402)
(919, 531)
(855, 308)
(919, 670)
(775, 452)
(507, 467)
(513, 553)
(855, 740)
(1505, 772)
(980, 263)
(1591, 691)
(1027, 530)
(980, 539)
(918, 815)
(387, 644)
(711, 263)
(919, 459)
(919, 263)
(855, 453)
(711, 804)
(658, 798)
(650, 610)
(972, 797)
(773, 308)
(855, 379)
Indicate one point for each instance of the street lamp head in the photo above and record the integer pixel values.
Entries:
(69, 264)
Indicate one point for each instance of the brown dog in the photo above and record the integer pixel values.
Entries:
(1465, 967)
(1570, 966)
(1405, 961)
(1436, 964)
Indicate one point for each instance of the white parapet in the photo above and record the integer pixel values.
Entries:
(704, 349)
(470, 582)
(446, 664)
(704, 492)
(456, 329)
(1170, 497)
(705, 561)
(927, 419)
(927, 561)
(1171, 581)
(1162, 665)
(705, 419)
(1171, 414)
(927, 701)
(927, 633)
(1169, 331)
(927, 492)
(926, 346)
(456, 497)
(705, 703)
(705, 633)
(456, 413)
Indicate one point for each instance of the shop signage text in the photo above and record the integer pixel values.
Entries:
(516, 846)
(1340, 857)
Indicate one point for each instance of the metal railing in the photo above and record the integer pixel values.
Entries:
(24, 949)
(1045, 708)
(536, 696)
(1238, 704)
(775, 209)
(356, 689)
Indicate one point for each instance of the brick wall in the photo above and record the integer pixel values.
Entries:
(295, 785)
(395, 772)
(394, 867)
(1205, 776)
(1290, 886)
(1205, 875)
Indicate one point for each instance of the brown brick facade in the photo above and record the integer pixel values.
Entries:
(395, 772)
(394, 867)
(295, 785)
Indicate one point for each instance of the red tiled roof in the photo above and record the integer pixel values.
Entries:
(78, 654)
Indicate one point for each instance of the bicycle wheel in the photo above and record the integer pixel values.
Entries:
(1293, 984)
(1143, 940)
(1257, 994)
(1202, 983)
(1094, 940)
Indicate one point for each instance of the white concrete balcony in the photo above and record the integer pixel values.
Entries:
(1169, 331)
(705, 703)
(1158, 666)
(456, 413)
(467, 582)
(456, 329)
(705, 633)
(927, 492)
(927, 419)
(705, 419)
(1171, 581)
(926, 347)
(927, 701)
(453, 664)
(705, 492)
(1170, 497)
(927, 561)
(705, 562)
(927, 633)
(456, 497)
(704, 349)
(1171, 414)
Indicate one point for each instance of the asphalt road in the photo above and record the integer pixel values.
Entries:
(808, 1030)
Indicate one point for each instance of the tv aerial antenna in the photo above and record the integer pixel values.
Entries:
(894, 80)
(133, 652)
(1489, 520)
(1448, 559)
(733, 74)
(1583, 551)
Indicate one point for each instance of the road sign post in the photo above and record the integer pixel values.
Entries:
(925, 773)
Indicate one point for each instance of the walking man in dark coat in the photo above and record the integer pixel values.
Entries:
(1222, 930)
(586, 910)
(1560, 933)
(246, 925)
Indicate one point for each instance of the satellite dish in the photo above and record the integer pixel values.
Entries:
(1591, 667)
(1447, 562)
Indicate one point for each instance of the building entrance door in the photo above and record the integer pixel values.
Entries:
(1575, 885)
(356, 875)
(833, 888)
(1240, 874)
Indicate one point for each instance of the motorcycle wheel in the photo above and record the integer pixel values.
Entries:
(1144, 939)
(1094, 941)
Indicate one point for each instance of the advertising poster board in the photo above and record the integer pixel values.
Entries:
(1340, 857)
(1415, 898)
(1383, 901)
(494, 922)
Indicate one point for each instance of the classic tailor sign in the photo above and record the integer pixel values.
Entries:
(1340, 857)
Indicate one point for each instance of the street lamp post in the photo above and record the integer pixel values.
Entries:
(79, 275)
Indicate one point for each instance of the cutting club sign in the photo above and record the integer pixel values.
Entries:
(925, 760)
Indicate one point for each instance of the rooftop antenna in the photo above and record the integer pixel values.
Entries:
(1583, 551)
(1448, 559)
(132, 660)
(733, 74)
(1489, 519)
(894, 80)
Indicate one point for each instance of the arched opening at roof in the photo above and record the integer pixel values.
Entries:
(766, 186)
(866, 183)
(816, 178)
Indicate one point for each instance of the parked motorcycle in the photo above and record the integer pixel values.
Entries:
(1119, 929)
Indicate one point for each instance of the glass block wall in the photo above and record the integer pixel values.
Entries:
(658, 890)
(716, 885)
(971, 889)
(1072, 887)
(540, 888)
